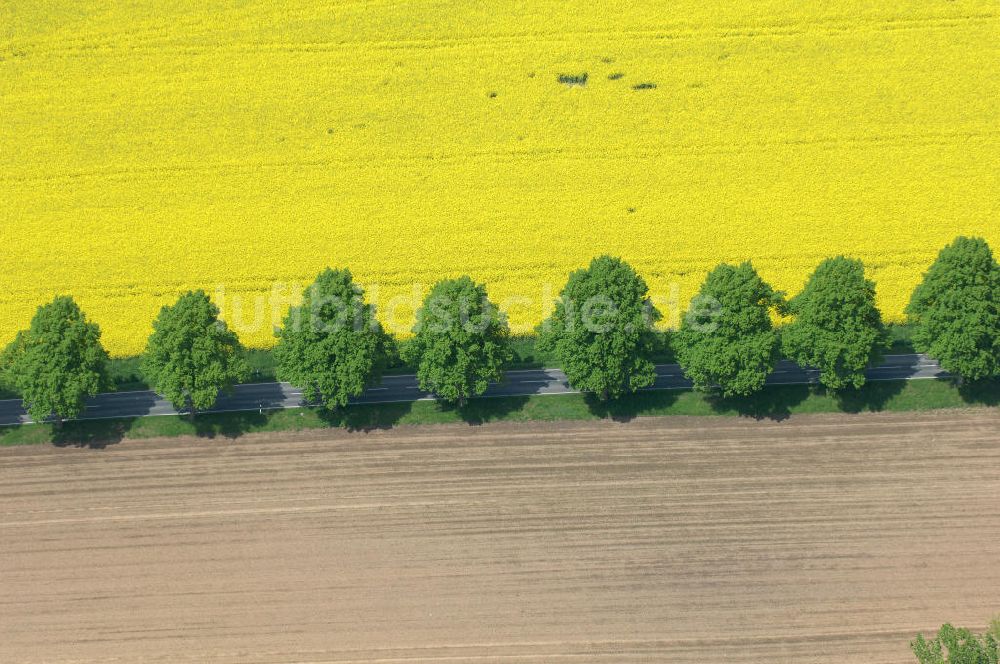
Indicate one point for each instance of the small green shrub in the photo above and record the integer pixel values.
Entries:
(956, 646)
(573, 79)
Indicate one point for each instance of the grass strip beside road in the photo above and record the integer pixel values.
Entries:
(774, 402)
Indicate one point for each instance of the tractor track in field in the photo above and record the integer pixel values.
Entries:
(818, 539)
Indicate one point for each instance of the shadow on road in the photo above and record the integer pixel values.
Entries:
(264, 395)
(139, 403)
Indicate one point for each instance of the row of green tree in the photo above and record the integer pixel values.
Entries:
(601, 331)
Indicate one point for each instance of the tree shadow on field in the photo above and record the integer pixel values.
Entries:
(373, 416)
(981, 392)
(630, 406)
(872, 397)
(92, 434)
(229, 425)
(485, 409)
(365, 417)
(774, 402)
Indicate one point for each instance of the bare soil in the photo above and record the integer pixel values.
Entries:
(818, 539)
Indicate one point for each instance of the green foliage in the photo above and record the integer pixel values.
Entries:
(957, 310)
(191, 355)
(573, 79)
(838, 328)
(461, 341)
(601, 329)
(727, 342)
(956, 646)
(331, 345)
(57, 362)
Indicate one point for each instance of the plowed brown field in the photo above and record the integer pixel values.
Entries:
(818, 539)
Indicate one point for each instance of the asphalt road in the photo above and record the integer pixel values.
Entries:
(269, 396)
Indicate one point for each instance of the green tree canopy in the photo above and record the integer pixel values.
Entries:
(838, 328)
(57, 362)
(191, 355)
(957, 310)
(602, 329)
(331, 345)
(461, 341)
(956, 646)
(727, 341)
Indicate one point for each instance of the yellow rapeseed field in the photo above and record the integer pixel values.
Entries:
(148, 148)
